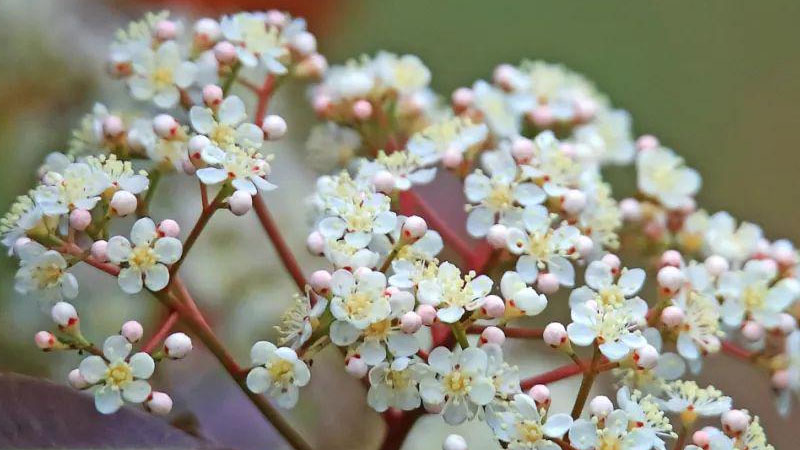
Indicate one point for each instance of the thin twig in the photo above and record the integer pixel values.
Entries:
(162, 332)
(284, 252)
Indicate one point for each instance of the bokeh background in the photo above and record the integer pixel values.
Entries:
(719, 81)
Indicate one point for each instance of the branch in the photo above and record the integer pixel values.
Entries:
(284, 252)
(164, 329)
(734, 350)
(512, 332)
(202, 221)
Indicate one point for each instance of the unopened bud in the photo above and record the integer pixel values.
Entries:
(454, 442)
(452, 158)
(225, 52)
(240, 202)
(45, 340)
(64, 314)
(547, 283)
(493, 306)
(413, 228)
(584, 245)
(410, 322)
(540, 394)
(497, 236)
(356, 367)
(670, 278)
(522, 149)
(752, 331)
(647, 142)
(304, 43)
(735, 421)
(316, 243)
(362, 109)
(165, 126)
(207, 31)
(98, 250)
(76, 380)
(574, 201)
(79, 219)
(492, 335)
(427, 313)
(555, 335)
(701, 438)
(646, 357)
(383, 181)
(169, 228)
(542, 116)
(462, 98)
(166, 30)
(123, 203)
(132, 331)
(320, 282)
(631, 209)
(212, 95)
(177, 345)
(274, 127)
(671, 258)
(601, 406)
(672, 316)
(113, 126)
(780, 379)
(716, 265)
(159, 403)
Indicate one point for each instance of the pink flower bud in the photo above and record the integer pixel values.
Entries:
(188, 167)
(207, 31)
(735, 421)
(159, 403)
(752, 331)
(497, 236)
(64, 314)
(494, 306)
(383, 181)
(315, 243)
(99, 250)
(165, 126)
(540, 394)
(304, 43)
(410, 322)
(554, 335)
(276, 18)
(80, 219)
(670, 278)
(584, 245)
(600, 406)
(492, 335)
(240, 202)
(785, 255)
(313, 65)
(113, 126)
(671, 258)
(356, 367)
(177, 345)
(522, 149)
(45, 340)
(274, 127)
(462, 98)
(413, 228)
(132, 331)
(542, 117)
(612, 261)
(362, 109)
(321, 104)
(427, 313)
(701, 438)
(320, 282)
(780, 379)
(168, 228)
(454, 442)
(672, 316)
(647, 142)
(166, 30)
(212, 95)
(630, 209)
(225, 52)
(452, 158)
(362, 272)
(786, 323)
(547, 283)
(123, 203)
(503, 76)
(646, 357)
(573, 201)
(196, 146)
(585, 109)
(76, 380)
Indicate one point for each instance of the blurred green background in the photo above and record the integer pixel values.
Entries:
(718, 81)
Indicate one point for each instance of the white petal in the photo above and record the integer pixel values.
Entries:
(401, 344)
(136, 391)
(482, 391)
(167, 97)
(479, 221)
(476, 187)
(202, 119)
(156, 278)
(92, 369)
(440, 360)
(343, 333)
(614, 350)
(527, 268)
(118, 249)
(332, 227)
(258, 379)
(212, 175)
(580, 334)
(598, 275)
(142, 365)
(557, 425)
(168, 250)
(107, 400)
(686, 347)
(232, 111)
(143, 231)
(631, 281)
(528, 194)
(450, 315)
(116, 348)
(130, 280)
(261, 352)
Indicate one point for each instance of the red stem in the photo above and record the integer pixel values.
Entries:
(737, 352)
(264, 94)
(161, 334)
(524, 333)
(284, 252)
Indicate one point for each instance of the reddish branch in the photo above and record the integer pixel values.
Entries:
(161, 334)
(284, 252)
(737, 352)
(523, 333)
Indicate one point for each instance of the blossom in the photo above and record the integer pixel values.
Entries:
(603, 289)
(44, 272)
(256, 41)
(78, 186)
(458, 381)
(613, 327)
(502, 112)
(226, 127)
(394, 384)
(358, 301)
(146, 256)
(662, 175)
(299, 320)
(160, 74)
(330, 146)
(609, 135)
(387, 333)
(452, 294)
(23, 215)
(120, 173)
(612, 432)
(520, 297)
(691, 401)
(647, 415)
(524, 426)
(724, 238)
(453, 134)
(278, 372)
(404, 167)
(357, 217)
(406, 74)
(116, 377)
(700, 331)
(246, 169)
(752, 293)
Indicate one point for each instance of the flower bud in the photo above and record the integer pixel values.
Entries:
(207, 31)
(356, 367)
(316, 243)
(601, 406)
(454, 442)
(780, 379)
(497, 236)
(647, 142)
(716, 265)
(240, 202)
(433, 408)
(165, 126)
(313, 65)
(168, 228)
(383, 181)
(735, 421)
(672, 316)
(225, 52)
(503, 76)
(670, 279)
(671, 258)
(701, 438)
(612, 261)
(410, 322)
(493, 306)
(132, 331)
(492, 335)
(646, 357)
(413, 228)
(362, 110)
(321, 104)
(522, 149)
(159, 403)
(585, 109)
(276, 18)
(79, 219)
(752, 331)
(574, 201)
(196, 146)
(630, 209)
(462, 98)
(98, 250)
(212, 95)
(427, 313)
(76, 380)
(177, 345)
(113, 126)
(542, 116)
(555, 335)
(64, 314)
(274, 127)
(540, 394)
(123, 203)
(452, 158)
(45, 340)
(320, 282)
(784, 253)
(786, 323)
(584, 245)
(166, 30)
(304, 43)
(547, 283)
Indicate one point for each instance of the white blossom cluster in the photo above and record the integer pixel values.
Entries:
(528, 147)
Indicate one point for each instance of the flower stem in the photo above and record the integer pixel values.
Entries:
(284, 252)
(681, 441)
(586, 384)
(202, 221)
(226, 86)
(144, 205)
(524, 333)
(390, 257)
(161, 334)
(460, 333)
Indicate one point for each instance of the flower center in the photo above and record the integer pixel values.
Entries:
(754, 296)
(281, 371)
(457, 383)
(358, 305)
(378, 330)
(142, 257)
(529, 431)
(500, 197)
(162, 77)
(610, 296)
(223, 135)
(539, 245)
(47, 275)
(398, 379)
(118, 374)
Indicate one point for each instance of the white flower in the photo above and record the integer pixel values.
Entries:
(406, 74)
(644, 412)
(23, 215)
(610, 136)
(331, 146)
(613, 432)
(172, 152)
(394, 385)
(505, 377)
(256, 41)
(160, 74)
(451, 134)
(458, 381)
(120, 173)
(345, 256)
(662, 175)
(298, 321)
(520, 297)
(44, 272)
(358, 217)
(603, 289)
(246, 169)
(79, 186)
(147, 258)
(614, 327)
(524, 426)
(502, 112)
(452, 294)
(405, 167)
(723, 238)
(542, 247)
(751, 294)
(227, 127)
(278, 372)
(690, 400)
(386, 333)
(117, 377)
(358, 301)
(700, 332)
